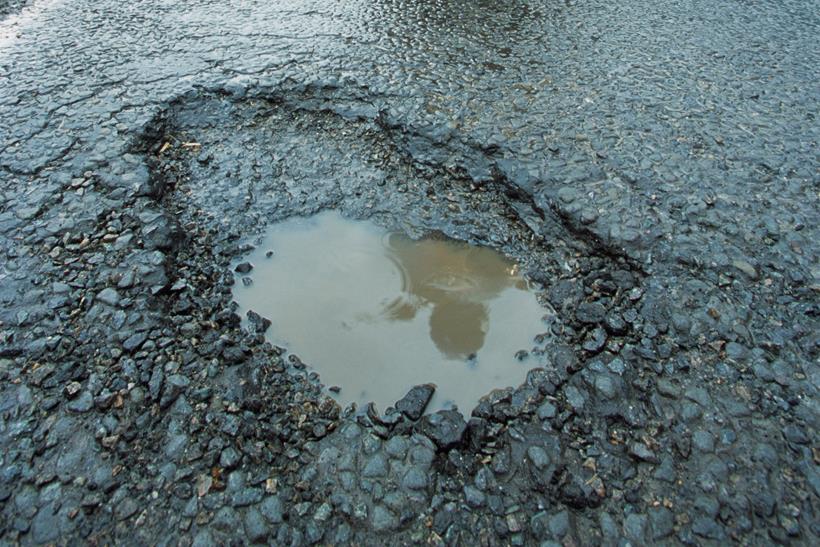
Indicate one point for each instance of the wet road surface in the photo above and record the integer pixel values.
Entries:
(655, 162)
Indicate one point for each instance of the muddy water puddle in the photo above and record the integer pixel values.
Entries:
(375, 312)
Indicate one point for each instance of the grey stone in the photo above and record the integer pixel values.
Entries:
(83, 403)
(539, 525)
(700, 396)
(383, 519)
(707, 505)
(46, 525)
(445, 428)
(661, 521)
(396, 447)
(615, 324)
(635, 528)
(256, 529)
(203, 538)
(559, 524)
(667, 388)
(126, 508)
(229, 458)
(590, 313)
(538, 456)
(109, 296)
(746, 268)
(226, 520)
(376, 466)
(246, 496)
(576, 398)
(795, 434)
(617, 366)
(605, 386)
(134, 342)
(230, 425)
(763, 372)
(736, 351)
(371, 444)
(665, 471)
(314, 532)
(546, 411)
(343, 533)
(323, 512)
(567, 194)
(258, 323)
(703, 441)
(609, 529)
(272, 509)
(707, 527)
(191, 508)
(595, 341)
(155, 383)
(414, 479)
(175, 445)
(174, 385)
(473, 496)
(413, 404)
(243, 267)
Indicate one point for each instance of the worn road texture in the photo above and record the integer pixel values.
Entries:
(653, 164)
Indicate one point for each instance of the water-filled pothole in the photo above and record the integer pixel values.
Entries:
(375, 312)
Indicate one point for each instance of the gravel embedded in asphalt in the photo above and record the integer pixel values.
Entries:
(653, 165)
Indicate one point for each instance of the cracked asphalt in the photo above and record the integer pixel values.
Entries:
(652, 165)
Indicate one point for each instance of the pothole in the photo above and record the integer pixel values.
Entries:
(228, 171)
(375, 312)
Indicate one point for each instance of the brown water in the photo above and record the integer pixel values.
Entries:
(376, 313)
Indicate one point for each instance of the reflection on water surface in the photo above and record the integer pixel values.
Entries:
(376, 313)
